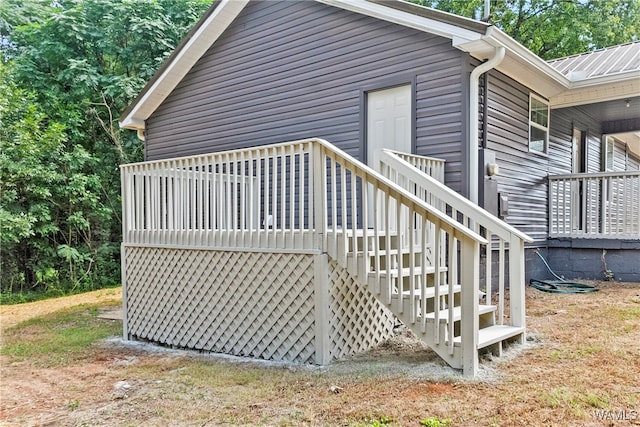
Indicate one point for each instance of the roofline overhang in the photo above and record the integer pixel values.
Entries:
(415, 16)
(598, 89)
(479, 39)
(532, 71)
(520, 63)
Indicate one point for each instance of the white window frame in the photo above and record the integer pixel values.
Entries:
(609, 141)
(538, 126)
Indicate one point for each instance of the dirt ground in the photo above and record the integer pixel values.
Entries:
(580, 367)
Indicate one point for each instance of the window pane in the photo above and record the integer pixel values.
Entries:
(609, 154)
(539, 112)
(537, 139)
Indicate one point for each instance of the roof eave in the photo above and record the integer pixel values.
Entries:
(598, 89)
(414, 16)
(520, 63)
(476, 38)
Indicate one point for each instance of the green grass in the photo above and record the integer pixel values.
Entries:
(57, 339)
(435, 422)
(563, 396)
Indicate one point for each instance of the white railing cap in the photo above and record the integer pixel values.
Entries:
(482, 216)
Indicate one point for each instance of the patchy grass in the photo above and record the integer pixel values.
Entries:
(57, 339)
(583, 359)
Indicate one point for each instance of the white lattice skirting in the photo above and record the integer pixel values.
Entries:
(256, 304)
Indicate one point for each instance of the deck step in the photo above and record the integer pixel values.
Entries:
(430, 292)
(406, 272)
(405, 251)
(494, 334)
(457, 313)
(360, 232)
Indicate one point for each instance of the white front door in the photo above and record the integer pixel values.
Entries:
(389, 119)
(388, 122)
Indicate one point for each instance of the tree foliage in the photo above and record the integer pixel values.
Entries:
(555, 28)
(69, 68)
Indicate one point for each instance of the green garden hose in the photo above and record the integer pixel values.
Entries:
(562, 287)
(559, 286)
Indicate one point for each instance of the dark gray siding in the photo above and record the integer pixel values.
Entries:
(594, 152)
(563, 121)
(523, 175)
(293, 70)
(633, 162)
(623, 159)
(441, 111)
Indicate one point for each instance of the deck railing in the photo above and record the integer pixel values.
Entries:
(308, 195)
(431, 166)
(257, 197)
(507, 242)
(595, 205)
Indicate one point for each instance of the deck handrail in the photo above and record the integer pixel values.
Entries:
(595, 205)
(192, 168)
(510, 241)
(432, 166)
(308, 195)
(557, 177)
(403, 195)
(453, 199)
(456, 248)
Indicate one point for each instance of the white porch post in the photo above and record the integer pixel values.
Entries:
(321, 311)
(469, 323)
(516, 282)
(123, 275)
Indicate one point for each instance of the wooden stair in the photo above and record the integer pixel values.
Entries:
(410, 306)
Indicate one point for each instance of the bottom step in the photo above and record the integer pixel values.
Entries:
(494, 334)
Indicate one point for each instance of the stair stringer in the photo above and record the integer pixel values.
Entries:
(357, 320)
(452, 356)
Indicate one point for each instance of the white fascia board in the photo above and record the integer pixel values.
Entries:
(190, 53)
(593, 92)
(395, 16)
(632, 75)
(539, 76)
(131, 123)
(526, 67)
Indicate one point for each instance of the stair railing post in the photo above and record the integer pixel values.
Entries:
(318, 186)
(322, 312)
(469, 322)
(516, 282)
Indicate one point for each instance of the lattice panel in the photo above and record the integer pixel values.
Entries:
(242, 303)
(358, 321)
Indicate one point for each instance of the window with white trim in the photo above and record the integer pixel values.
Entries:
(538, 124)
(608, 154)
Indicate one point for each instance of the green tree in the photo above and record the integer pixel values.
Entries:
(45, 188)
(555, 28)
(71, 67)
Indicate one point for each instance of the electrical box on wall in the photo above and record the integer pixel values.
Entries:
(488, 191)
(503, 205)
(490, 195)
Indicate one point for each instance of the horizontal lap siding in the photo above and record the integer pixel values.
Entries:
(294, 70)
(563, 122)
(440, 116)
(619, 156)
(522, 175)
